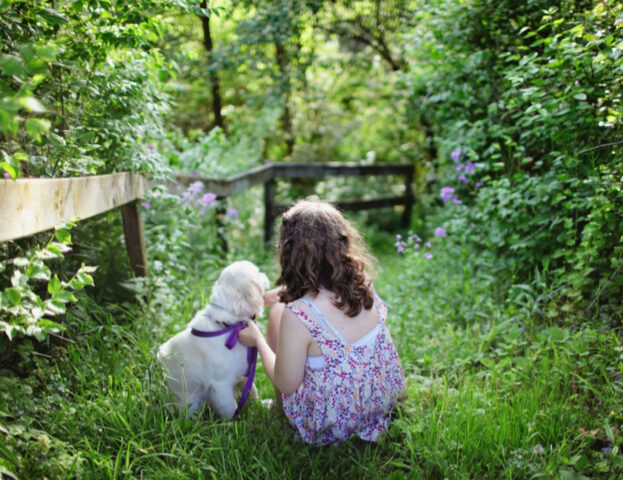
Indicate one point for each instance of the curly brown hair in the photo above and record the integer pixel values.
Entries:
(318, 248)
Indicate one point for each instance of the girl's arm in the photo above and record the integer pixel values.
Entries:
(286, 368)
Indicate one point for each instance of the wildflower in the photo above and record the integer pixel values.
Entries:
(400, 245)
(428, 244)
(145, 205)
(447, 193)
(538, 449)
(470, 168)
(441, 232)
(151, 146)
(192, 191)
(6, 175)
(428, 255)
(462, 178)
(456, 200)
(456, 154)
(232, 213)
(415, 237)
(416, 246)
(478, 184)
(398, 237)
(207, 200)
(607, 450)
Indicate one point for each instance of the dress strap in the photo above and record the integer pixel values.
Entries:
(315, 328)
(322, 318)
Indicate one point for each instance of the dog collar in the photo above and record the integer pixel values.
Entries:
(230, 343)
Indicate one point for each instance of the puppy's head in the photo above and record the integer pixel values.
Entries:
(240, 290)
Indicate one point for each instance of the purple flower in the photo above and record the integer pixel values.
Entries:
(447, 193)
(398, 237)
(192, 191)
(145, 205)
(416, 246)
(428, 255)
(400, 245)
(462, 178)
(470, 168)
(478, 184)
(428, 244)
(6, 175)
(207, 200)
(414, 236)
(151, 146)
(607, 450)
(456, 200)
(456, 154)
(460, 167)
(441, 232)
(232, 213)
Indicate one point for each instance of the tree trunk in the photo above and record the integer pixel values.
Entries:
(217, 103)
(286, 116)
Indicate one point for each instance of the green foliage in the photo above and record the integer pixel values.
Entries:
(533, 96)
(36, 294)
(81, 91)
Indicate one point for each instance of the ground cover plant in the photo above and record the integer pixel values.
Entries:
(491, 392)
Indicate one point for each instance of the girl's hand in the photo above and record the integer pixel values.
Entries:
(250, 336)
(271, 297)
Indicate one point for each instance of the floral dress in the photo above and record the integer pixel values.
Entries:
(351, 389)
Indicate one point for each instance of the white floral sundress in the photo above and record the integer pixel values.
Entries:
(353, 390)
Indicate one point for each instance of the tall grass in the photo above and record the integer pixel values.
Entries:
(492, 392)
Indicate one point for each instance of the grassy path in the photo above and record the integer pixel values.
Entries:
(490, 394)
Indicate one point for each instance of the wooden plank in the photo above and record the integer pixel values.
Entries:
(233, 184)
(33, 205)
(354, 205)
(134, 239)
(236, 183)
(316, 170)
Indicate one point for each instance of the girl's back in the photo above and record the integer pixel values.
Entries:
(351, 380)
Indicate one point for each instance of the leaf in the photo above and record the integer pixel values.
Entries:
(54, 287)
(12, 295)
(63, 236)
(36, 127)
(10, 65)
(53, 17)
(31, 104)
(10, 169)
(580, 96)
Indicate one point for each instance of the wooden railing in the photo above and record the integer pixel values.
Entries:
(33, 205)
(267, 174)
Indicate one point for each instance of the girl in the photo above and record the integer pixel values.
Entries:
(329, 353)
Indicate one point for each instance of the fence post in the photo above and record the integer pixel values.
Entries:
(269, 201)
(134, 239)
(406, 214)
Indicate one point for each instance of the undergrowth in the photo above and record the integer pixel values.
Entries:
(495, 390)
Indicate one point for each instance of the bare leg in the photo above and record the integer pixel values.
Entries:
(272, 338)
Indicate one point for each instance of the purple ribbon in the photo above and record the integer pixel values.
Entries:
(230, 343)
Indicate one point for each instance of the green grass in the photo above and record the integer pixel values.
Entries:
(492, 392)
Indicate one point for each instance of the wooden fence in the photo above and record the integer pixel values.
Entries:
(267, 174)
(32, 205)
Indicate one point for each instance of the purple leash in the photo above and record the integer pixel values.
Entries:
(231, 343)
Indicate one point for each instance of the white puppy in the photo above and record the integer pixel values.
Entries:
(204, 369)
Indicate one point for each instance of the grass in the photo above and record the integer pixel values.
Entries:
(492, 392)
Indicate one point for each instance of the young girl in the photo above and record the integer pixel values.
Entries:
(336, 368)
